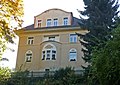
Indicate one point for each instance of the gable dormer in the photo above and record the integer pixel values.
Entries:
(53, 17)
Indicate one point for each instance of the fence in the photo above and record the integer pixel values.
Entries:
(50, 73)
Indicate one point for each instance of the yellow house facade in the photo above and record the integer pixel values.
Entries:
(50, 43)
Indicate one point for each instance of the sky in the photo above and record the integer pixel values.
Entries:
(33, 8)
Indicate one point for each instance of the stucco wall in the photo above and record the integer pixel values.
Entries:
(63, 47)
(53, 14)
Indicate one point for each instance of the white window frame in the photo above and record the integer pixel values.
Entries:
(30, 40)
(55, 22)
(65, 21)
(51, 38)
(45, 55)
(28, 58)
(49, 22)
(73, 38)
(73, 54)
(53, 53)
(48, 52)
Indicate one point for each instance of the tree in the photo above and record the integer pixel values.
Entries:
(5, 74)
(106, 62)
(63, 76)
(11, 13)
(99, 18)
(101, 15)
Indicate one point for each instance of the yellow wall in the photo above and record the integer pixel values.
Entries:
(63, 46)
(53, 14)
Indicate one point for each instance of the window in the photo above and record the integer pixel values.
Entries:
(47, 70)
(73, 55)
(65, 22)
(52, 38)
(43, 54)
(49, 52)
(30, 40)
(39, 23)
(53, 54)
(73, 38)
(49, 22)
(55, 22)
(28, 56)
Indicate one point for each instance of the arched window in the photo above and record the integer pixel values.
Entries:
(73, 55)
(28, 56)
(49, 52)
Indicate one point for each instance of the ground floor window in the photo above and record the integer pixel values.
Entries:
(73, 55)
(28, 56)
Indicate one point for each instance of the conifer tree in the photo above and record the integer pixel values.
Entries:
(99, 19)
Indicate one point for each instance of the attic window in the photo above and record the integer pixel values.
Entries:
(39, 23)
(65, 21)
(49, 22)
(55, 22)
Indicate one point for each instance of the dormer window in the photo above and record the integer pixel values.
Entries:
(49, 22)
(39, 23)
(55, 22)
(65, 21)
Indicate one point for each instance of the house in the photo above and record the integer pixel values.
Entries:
(50, 43)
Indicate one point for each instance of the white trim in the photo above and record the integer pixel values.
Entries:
(73, 38)
(30, 40)
(55, 38)
(51, 51)
(49, 22)
(30, 52)
(65, 19)
(55, 22)
(73, 50)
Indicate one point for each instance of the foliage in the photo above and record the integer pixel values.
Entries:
(63, 76)
(101, 15)
(99, 18)
(5, 74)
(19, 78)
(11, 13)
(106, 61)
